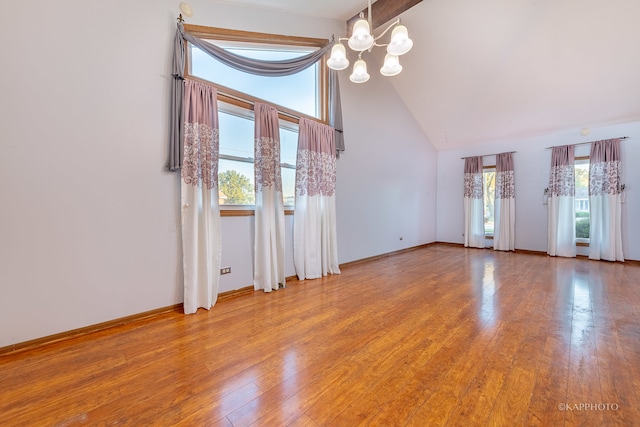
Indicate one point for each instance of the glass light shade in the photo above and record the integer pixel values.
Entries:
(186, 10)
(359, 74)
(361, 38)
(338, 60)
(400, 41)
(391, 66)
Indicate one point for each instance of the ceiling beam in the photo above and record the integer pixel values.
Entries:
(383, 11)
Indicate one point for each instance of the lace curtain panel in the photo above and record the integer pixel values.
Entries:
(504, 204)
(561, 233)
(199, 194)
(605, 201)
(473, 203)
(315, 248)
(268, 273)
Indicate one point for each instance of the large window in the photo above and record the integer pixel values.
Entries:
(582, 199)
(302, 94)
(299, 92)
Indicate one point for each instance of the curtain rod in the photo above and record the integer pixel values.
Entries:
(233, 95)
(494, 154)
(252, 103)
(294, 116)
(583, 143)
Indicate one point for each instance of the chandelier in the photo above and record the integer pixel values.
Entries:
(362, 40)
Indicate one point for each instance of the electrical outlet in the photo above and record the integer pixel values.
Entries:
(225, 270)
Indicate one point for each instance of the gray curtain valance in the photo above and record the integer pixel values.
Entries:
(177, 95)
(248, 65)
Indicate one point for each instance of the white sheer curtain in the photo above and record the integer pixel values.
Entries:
(561, 232)
(504, 235)
(199, 193)
(473, 203)
(315, 248)
(268, 271)
(605, 204)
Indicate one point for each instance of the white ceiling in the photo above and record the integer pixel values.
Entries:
(499, 70)
(332, 9)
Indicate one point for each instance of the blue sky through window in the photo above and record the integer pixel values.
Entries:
(298, 92)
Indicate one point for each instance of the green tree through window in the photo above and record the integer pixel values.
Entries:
(236, 189)
(489, 195)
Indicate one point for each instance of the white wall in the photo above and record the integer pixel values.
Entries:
(532, 164)
(387, 175)
(89, 219)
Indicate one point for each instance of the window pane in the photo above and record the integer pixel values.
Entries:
(489, 193)
(288, 186)
(298, 92)
(582, 198)
(236, 139)
(235, 183)
(288, 153)
(236, 134)
(288, 146)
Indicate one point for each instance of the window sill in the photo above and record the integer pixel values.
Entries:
(246, 212)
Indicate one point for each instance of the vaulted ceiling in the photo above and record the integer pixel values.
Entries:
(496, 70)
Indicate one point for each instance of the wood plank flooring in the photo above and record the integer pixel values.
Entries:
(439, 336)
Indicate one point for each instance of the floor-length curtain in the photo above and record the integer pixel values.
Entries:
(199, 194)
(473, 203)
(504, 234)
(561, 237)
(605, 204)
(315, 247)
(268, 271)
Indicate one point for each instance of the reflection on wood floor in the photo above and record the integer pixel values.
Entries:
(436, 336)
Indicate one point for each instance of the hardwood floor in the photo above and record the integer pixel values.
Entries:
(437, 336)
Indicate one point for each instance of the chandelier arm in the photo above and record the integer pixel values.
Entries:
(393, 24)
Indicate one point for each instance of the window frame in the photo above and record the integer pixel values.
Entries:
(246, 101)
(581, 241)
(488, 168)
